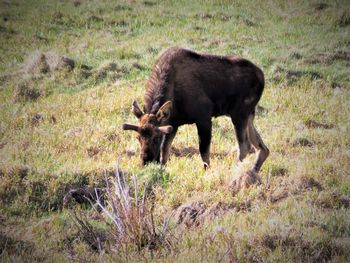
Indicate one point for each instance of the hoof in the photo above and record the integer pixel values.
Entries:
(206, 166)
(244, 180)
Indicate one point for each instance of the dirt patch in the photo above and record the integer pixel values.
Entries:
(320, 6)
(302, 142)
(26, 91)
(189, 214)
(315, 124)
(46, 62)
(93, 151)
(308, 183)
(329, 57)
(342, 18)
(109, 70)
(149, 3)
(21, 171)
(76, 3)
(333, 201)
(273, 241)
(279, 74)
(36, 119)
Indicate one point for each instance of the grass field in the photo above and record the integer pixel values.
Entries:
(69, 71)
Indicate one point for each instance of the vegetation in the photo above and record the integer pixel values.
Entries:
(69, 71)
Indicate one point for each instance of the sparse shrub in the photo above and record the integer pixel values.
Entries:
(131, 214)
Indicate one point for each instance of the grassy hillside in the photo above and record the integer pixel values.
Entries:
(69, 71)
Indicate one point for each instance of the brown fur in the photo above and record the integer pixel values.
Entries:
(186, 87)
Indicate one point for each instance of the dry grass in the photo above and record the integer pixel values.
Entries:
(60, 129)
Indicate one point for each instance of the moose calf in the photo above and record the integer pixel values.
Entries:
(186, 87)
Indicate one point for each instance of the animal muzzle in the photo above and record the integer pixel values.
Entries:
(147, 158)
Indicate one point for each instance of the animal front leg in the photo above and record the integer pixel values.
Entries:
(204, 134)
(165, 147)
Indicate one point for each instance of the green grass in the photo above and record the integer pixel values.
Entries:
(303, 50)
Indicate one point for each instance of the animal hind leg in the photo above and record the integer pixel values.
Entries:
(245, 178)
(262, 150)
(244, 145)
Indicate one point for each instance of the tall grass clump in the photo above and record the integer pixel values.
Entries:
(129, 213)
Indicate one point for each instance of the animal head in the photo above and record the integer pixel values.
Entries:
(151, 131)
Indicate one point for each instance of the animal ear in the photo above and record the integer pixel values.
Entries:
(130, 127)
(136, 110)
(163, 113)
(165, 129)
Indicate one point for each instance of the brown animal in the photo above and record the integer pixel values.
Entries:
(185, 88)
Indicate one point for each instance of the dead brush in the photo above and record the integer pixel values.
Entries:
(94, 238)
(130, 215)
